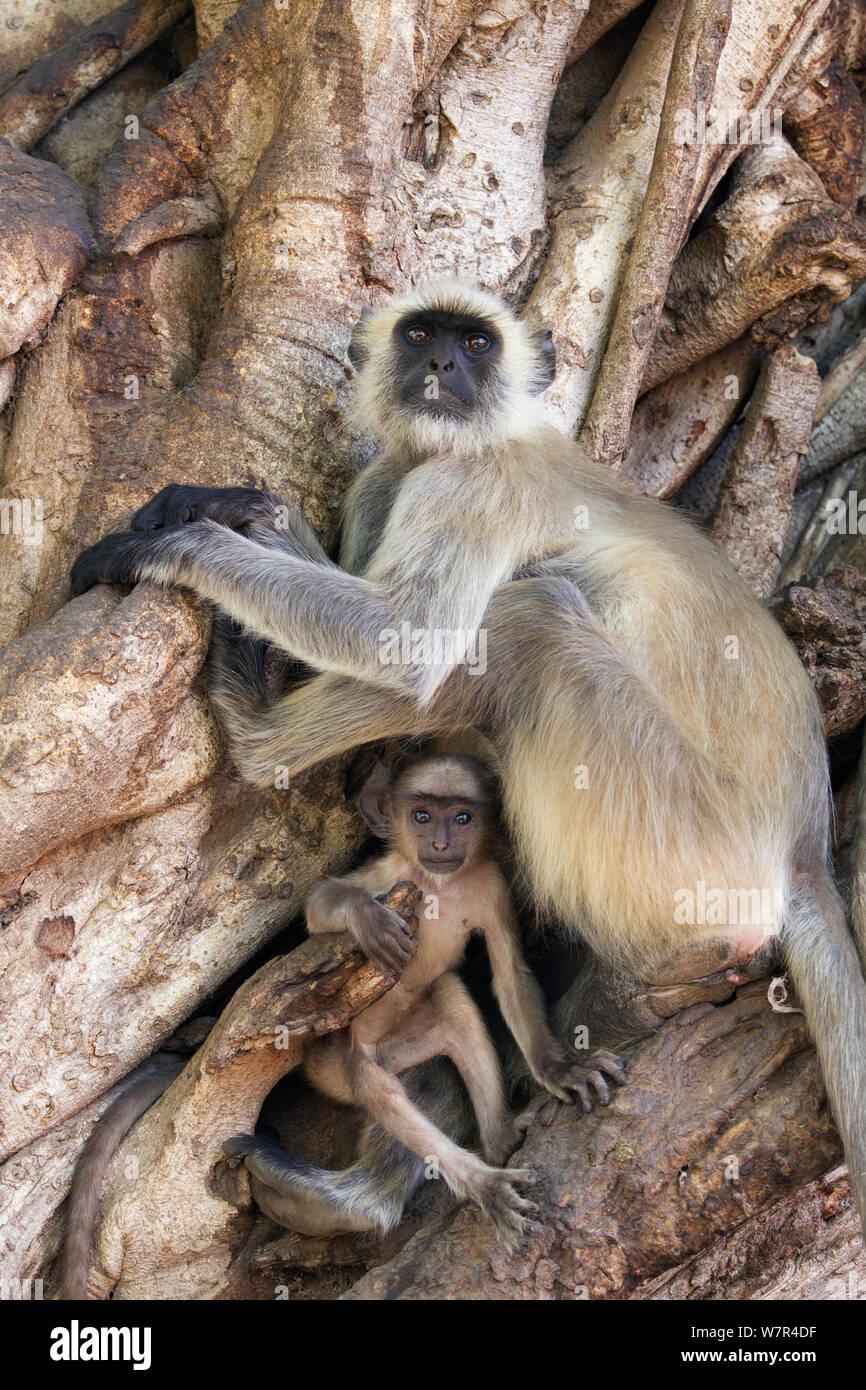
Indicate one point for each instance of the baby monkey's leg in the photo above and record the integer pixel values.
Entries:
(452, 1026)
(382, 1096)
(468, 1044)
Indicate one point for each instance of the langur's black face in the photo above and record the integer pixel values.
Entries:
(445, 360)
(444, 835)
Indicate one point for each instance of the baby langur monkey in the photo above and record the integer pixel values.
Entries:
(438, 819)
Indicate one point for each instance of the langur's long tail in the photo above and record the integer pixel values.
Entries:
(826, 970)
(73, 1266)
(371, 1194)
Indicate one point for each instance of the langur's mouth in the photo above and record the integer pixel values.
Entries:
(446, 405)
(441, 866)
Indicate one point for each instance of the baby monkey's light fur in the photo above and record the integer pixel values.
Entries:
(653, 727)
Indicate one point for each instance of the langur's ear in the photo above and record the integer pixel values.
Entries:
(376, 800)
(545, 354)
(357, 350)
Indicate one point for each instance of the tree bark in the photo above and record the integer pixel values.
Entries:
(754, 507)
(183, 254)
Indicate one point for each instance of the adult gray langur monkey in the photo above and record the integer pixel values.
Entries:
(658, 741)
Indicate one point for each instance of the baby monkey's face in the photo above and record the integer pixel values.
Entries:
(444, 836)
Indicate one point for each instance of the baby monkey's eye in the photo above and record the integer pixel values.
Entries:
(477, 342)
(463, 817)
(417, 335)
(422, 817)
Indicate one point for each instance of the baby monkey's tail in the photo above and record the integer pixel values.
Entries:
(368, 1196)
(73, 1267)
(371, 1194)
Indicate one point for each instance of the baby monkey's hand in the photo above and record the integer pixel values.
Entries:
(565, 1079)
(385, 928)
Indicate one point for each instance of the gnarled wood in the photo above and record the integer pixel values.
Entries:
(170, 1199)
(757, 495)
(629, 1191)
(37, 100)
(44, 246)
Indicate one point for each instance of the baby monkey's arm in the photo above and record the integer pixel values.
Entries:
(520, 999)
(349, 904)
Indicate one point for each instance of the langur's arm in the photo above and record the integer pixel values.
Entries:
(434, 573)
(349, 904)
(520, 1000)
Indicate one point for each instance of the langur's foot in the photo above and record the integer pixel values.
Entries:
(542, 1109)
(670, 993)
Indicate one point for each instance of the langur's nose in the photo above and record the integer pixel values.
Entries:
(440, 845)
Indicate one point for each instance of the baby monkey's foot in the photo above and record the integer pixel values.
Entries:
(565, 1079)
(500, 1144)
(495, 1195)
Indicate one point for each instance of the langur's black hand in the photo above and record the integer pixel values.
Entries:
(178, 505)
(113, 560)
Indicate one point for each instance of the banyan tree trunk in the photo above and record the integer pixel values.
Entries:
(195, 203)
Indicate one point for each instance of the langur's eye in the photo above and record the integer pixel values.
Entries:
(477, 342)
(422, 817)
(417, 335)
(463, 817)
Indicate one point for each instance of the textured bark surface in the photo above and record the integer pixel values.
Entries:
(46, 240)
(827, 624)
(643, 1185)
(33, 103)
(841, 431)
(804, 1247)
(754, 507)
(825, 126)
(661, 229)
(208, 202)
(677, 425)
(776, 253)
